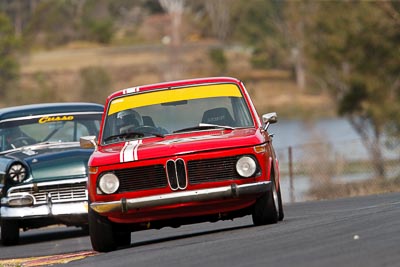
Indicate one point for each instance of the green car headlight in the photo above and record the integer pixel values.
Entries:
(17, 173)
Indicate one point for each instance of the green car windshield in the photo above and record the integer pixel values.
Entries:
(19, 132)
(163, 112)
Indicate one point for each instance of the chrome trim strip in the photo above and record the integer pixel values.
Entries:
(51, 114)
(171, 179)
(225, 192)
(177, 173)
(39, 184)
(42, 145)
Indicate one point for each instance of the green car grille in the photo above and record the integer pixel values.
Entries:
(54, 193)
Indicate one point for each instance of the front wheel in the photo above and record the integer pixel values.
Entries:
(9, 232)
(281, 213)
(102, 235)
(267, 207)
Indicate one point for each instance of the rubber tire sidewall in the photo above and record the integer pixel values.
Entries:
(123, 239)
(9, 232)
(101, 233)
(264, 210)
(280, 204)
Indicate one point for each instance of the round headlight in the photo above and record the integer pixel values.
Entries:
(17, 173)
(109, 183)
(246, 166)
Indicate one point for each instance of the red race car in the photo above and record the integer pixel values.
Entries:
(178, 153)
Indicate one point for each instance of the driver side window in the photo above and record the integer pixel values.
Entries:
(71, 131)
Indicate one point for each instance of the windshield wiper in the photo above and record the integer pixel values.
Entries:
(203, 126)
(45, 143)
(153, 133)
(132, 134)
(124, 136)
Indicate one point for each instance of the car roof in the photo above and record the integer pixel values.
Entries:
(48, 108)
(174, 84)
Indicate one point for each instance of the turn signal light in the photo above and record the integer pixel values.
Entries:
(260, 149)
(93, 170)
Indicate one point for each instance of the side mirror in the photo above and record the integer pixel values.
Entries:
(268, 119)
(88, 142)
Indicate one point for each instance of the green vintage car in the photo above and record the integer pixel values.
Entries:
(43, 170)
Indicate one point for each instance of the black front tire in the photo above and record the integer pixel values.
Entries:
(281, 213)
(123, 239)
(266, 208)
(102, 235)
(9, 232)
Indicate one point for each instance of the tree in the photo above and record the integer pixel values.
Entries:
(219, 14)
(95, 20)
(354, 48)
(296, 19)
(175, 9)
(53, 23)
(96, 84)
(57, 23)
(255, 23)
(9, 67)
(392, 9)
(19, 13)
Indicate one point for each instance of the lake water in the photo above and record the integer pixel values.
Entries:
(295, 133)
(336, 132)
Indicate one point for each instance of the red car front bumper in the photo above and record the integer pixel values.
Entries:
(225, 192)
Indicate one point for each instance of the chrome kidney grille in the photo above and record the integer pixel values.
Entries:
(176, 174)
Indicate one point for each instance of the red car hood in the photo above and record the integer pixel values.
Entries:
(175, 145)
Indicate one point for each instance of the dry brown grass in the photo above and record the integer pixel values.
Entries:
(364, 188)
(133, 66)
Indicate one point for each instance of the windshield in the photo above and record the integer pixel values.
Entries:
(26, 131)
(164, 112)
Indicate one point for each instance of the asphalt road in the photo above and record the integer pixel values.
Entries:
(362, 231)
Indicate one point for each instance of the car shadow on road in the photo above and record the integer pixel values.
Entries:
(186, 235)
(50, 234)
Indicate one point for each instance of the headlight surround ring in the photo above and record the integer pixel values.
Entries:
(108, 183)
(246, 166)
